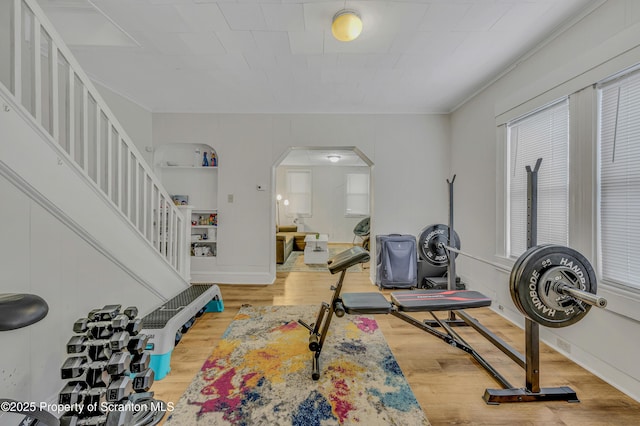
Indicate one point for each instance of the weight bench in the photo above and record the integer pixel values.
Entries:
(413, 301)
(429, 301)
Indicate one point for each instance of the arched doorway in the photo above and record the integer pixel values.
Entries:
(319, 190)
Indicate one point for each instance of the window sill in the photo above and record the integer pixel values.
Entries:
(620, 301)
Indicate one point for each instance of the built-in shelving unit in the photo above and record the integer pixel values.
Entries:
(193, 183)
(204, 233)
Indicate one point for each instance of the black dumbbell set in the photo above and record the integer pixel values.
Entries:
(108, 375)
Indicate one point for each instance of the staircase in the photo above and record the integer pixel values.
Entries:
(43, 85)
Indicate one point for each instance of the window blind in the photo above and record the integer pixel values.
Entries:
(357, 194)
(541, 134)
(299, 193)
(619, 181)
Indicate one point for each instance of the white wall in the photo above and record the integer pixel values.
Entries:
(411, 162)
(135, 119)
(41, 255)
(328, 201)
(5, 39)
(603, 42)
(61, 240)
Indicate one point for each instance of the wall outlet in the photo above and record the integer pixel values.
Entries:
(230, 198)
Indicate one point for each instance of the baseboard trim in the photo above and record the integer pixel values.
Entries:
(246, 278)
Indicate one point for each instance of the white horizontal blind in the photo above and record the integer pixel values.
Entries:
(542, 134)
(619, 181)
(357, 194)
(299, 193)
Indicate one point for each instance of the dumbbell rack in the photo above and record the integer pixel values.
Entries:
(108, 373)
(531, 360)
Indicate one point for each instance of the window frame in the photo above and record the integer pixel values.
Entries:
(618, 81)
(514, 125)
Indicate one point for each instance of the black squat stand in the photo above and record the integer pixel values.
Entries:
(532, 390)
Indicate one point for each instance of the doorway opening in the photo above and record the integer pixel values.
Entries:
(320, 191)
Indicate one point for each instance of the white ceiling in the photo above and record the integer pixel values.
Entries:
(414, 56)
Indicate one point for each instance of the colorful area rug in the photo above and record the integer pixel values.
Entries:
(295, 262)
(260, 374)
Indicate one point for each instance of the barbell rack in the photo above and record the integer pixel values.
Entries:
(530, 362)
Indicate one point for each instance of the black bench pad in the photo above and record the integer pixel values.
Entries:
(347, 258)
(438, 300)
(365, 303)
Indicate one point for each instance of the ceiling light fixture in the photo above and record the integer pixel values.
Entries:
(333, 158)
(346, 25)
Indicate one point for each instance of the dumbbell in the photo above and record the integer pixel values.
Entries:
(118, 364)
(96, 372)
(142, 382)
(108, 312)
(137, 344)
(93, 373)
(101, 329)
(134, 326)
(101, 349)
(77, 392)
(140, 362)
(117, 342)
(119, 389)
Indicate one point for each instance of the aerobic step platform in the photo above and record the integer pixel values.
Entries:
(162, 324)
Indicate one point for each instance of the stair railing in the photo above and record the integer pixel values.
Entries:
(38, 70)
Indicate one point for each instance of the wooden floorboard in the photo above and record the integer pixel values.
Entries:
(447, 382)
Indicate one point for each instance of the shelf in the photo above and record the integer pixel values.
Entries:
(204, 226)
(188, 167)
(204, 242)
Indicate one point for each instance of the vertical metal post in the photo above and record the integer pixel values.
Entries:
(451, 274)
(532, 204)
(532, 330)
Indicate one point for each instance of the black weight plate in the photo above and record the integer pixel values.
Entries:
(429, 241)
(535, 292)
(516, 272)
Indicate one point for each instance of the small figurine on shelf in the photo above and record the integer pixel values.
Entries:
(205, 162)
(211, 219)
(214, 159)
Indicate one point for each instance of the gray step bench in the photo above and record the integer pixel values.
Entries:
(166, 324)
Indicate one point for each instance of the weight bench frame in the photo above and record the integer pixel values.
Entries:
(509, 393)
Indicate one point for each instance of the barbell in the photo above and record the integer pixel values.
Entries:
(550, 284)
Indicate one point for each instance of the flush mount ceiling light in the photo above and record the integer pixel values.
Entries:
(346, 25)
(333, 158)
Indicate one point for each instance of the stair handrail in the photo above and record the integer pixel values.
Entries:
(161, 215)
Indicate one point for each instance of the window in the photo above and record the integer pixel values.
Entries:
(541, 134)
(619, 180)
(299, 193)
(357, 194)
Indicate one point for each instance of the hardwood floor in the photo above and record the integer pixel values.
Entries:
(447, 382)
